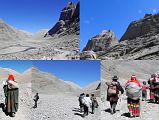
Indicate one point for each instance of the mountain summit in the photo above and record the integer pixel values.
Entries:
(68, 22)
(140, 41)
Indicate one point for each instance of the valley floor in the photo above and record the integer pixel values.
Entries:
(64, 47)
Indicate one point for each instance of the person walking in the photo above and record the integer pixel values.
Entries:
(94, 103)
(151, 82)
(36, 98)
(133, 92)
(113, 90)
(87, 103)
(80, 99)
(12, 96)
(144, 91)
(156, 86)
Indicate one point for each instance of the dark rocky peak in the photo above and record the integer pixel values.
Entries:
(68, 22)
(67, 12)
(148, 26)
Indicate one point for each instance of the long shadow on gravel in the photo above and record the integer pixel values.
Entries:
(2, 106)
(107, 110)
(79, 114)
(77, 110)
(126, 115)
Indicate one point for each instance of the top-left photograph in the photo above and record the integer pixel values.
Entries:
(39, 29)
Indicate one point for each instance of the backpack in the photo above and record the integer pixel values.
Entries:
(112, 88)
(133, 91)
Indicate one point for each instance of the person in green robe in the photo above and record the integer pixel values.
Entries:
(12, 95)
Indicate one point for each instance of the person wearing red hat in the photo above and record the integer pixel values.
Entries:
(12, 96)
(133, 103)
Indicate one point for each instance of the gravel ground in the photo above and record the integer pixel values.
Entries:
(60, 107)
(66, 47)
(149, 111)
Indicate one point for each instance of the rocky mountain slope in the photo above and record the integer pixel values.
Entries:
(124, 69)
(60, 45)
(9, 33)
(68, 22)
(101, 42)
(46, 83)
(139, 42)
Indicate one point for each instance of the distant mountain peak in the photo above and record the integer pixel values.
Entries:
(68, 22)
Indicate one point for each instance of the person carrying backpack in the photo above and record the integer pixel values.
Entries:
(113, 90)
(151, 82)
(12, 96)
(87, 103)
(36, 98)
(94, 103)
(81, 102)
(133, 92)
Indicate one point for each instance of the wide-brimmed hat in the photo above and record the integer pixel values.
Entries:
(115, 78)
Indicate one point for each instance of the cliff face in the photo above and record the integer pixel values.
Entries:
(68, 22)
(148, 26)
(140, 41)
(101, 42)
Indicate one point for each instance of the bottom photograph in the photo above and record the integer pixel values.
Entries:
(50, 90)
(79, 90)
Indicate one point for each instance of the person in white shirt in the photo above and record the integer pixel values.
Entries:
(87, 103)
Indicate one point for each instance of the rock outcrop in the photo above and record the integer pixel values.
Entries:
(101, 42)
(68, 22)
(148, 26)
(140, 41)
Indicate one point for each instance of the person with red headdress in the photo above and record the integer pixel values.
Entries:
(12, 94)
(133, 89)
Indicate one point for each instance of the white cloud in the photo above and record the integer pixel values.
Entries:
(154, 11)
(87, 22)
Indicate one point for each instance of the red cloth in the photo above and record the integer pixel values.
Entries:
(144, 87)
(133, 79)
(11, 77)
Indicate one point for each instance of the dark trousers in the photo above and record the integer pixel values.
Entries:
(113, 105)
(85, 110)
(35, 105)
(93, 108)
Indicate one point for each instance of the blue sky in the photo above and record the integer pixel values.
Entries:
(80, 72)
(32, 15)
(98, 15)
(17, 65)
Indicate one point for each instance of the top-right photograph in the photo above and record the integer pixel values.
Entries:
(119, 29)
